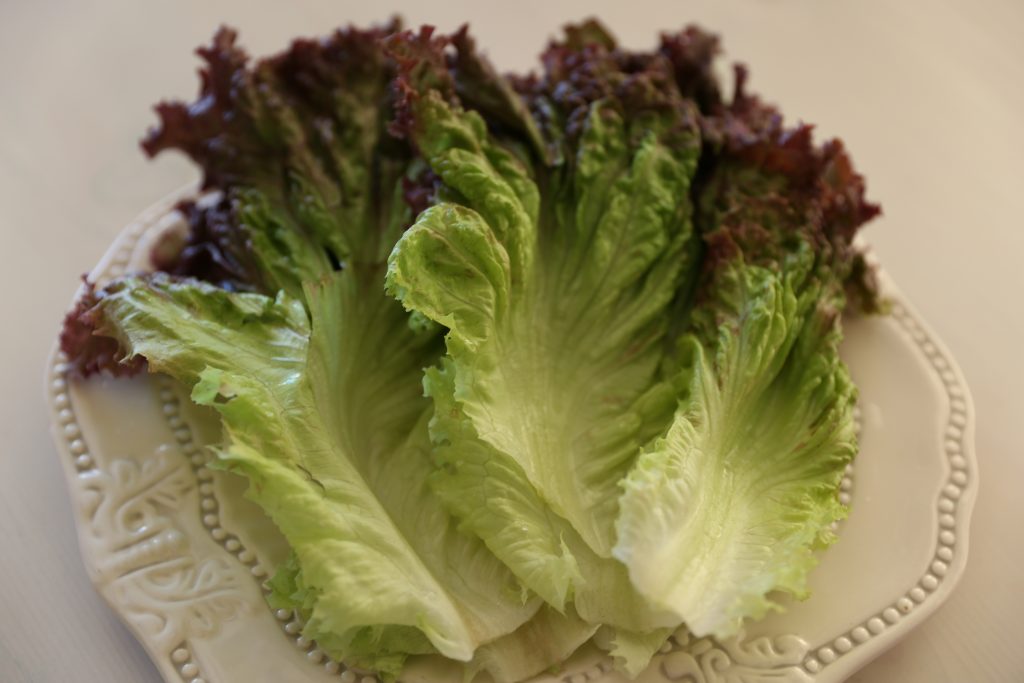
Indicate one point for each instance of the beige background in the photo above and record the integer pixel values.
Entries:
(928, 95)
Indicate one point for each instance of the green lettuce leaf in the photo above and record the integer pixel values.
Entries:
(325, 418)
(730, 505)
(555, 286)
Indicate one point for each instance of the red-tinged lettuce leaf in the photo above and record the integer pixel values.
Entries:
(421, 65)
(481, 88)
(729, 506)
(88, 353)
(303, 135)
(587, 65)
(303, 176)
(768, 189)
(250, 121)
(210, 250)
(453, 67)
(692, 53)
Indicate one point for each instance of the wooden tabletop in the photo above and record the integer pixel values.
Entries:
(928, 96)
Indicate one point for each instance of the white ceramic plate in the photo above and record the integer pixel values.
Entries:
(181, 557)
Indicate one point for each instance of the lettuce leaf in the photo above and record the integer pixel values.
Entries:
(323, 408)
(318, 494)
(325, 418)
(730, 505)
(298, 147)
(555, 286)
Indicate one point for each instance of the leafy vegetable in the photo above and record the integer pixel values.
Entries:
(302, 137)
(555, 293)
(613, 402)
(729, 505)
(319, 385)
(334, 444)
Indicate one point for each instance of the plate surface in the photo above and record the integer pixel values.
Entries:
(181, 556)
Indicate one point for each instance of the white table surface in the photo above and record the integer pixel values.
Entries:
(928, 95)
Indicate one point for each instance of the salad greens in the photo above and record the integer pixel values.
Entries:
(729, 504)
(513, 362)
(554, 298)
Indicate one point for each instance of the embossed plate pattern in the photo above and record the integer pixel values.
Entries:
(181, 557)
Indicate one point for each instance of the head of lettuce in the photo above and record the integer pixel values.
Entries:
(513, 363)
